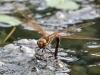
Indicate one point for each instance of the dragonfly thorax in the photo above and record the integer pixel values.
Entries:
(41, 43)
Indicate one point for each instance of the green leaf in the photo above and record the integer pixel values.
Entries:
(63, 4)
(10, 20)
(53, 3)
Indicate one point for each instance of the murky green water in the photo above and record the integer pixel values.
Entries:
(83, 57)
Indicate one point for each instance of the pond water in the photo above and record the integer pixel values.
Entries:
(82, 56)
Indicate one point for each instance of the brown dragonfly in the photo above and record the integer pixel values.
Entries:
(47, 39)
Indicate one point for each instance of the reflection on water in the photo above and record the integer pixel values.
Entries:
(83, 57)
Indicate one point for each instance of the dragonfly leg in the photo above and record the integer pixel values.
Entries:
(37, 49)
(56, 49)
(50, 51)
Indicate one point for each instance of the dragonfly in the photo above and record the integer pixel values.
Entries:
(45, 40)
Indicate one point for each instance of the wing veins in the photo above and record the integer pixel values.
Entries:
(74, 28)
(78, 37)
(33, 24)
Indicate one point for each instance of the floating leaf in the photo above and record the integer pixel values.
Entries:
(10, 20)
(53, 3)
(63, 4)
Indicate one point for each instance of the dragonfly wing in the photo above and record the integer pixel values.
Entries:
(78, 37)
(29, 16)
(74, 28)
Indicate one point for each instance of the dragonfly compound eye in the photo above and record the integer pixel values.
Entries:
(41, 43)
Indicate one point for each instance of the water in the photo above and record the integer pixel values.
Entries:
(83, 57)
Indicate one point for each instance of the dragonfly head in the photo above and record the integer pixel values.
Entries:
(41, 43)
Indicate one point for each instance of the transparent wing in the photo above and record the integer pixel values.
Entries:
(29, 15)
(74, 28)
(78, 37)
